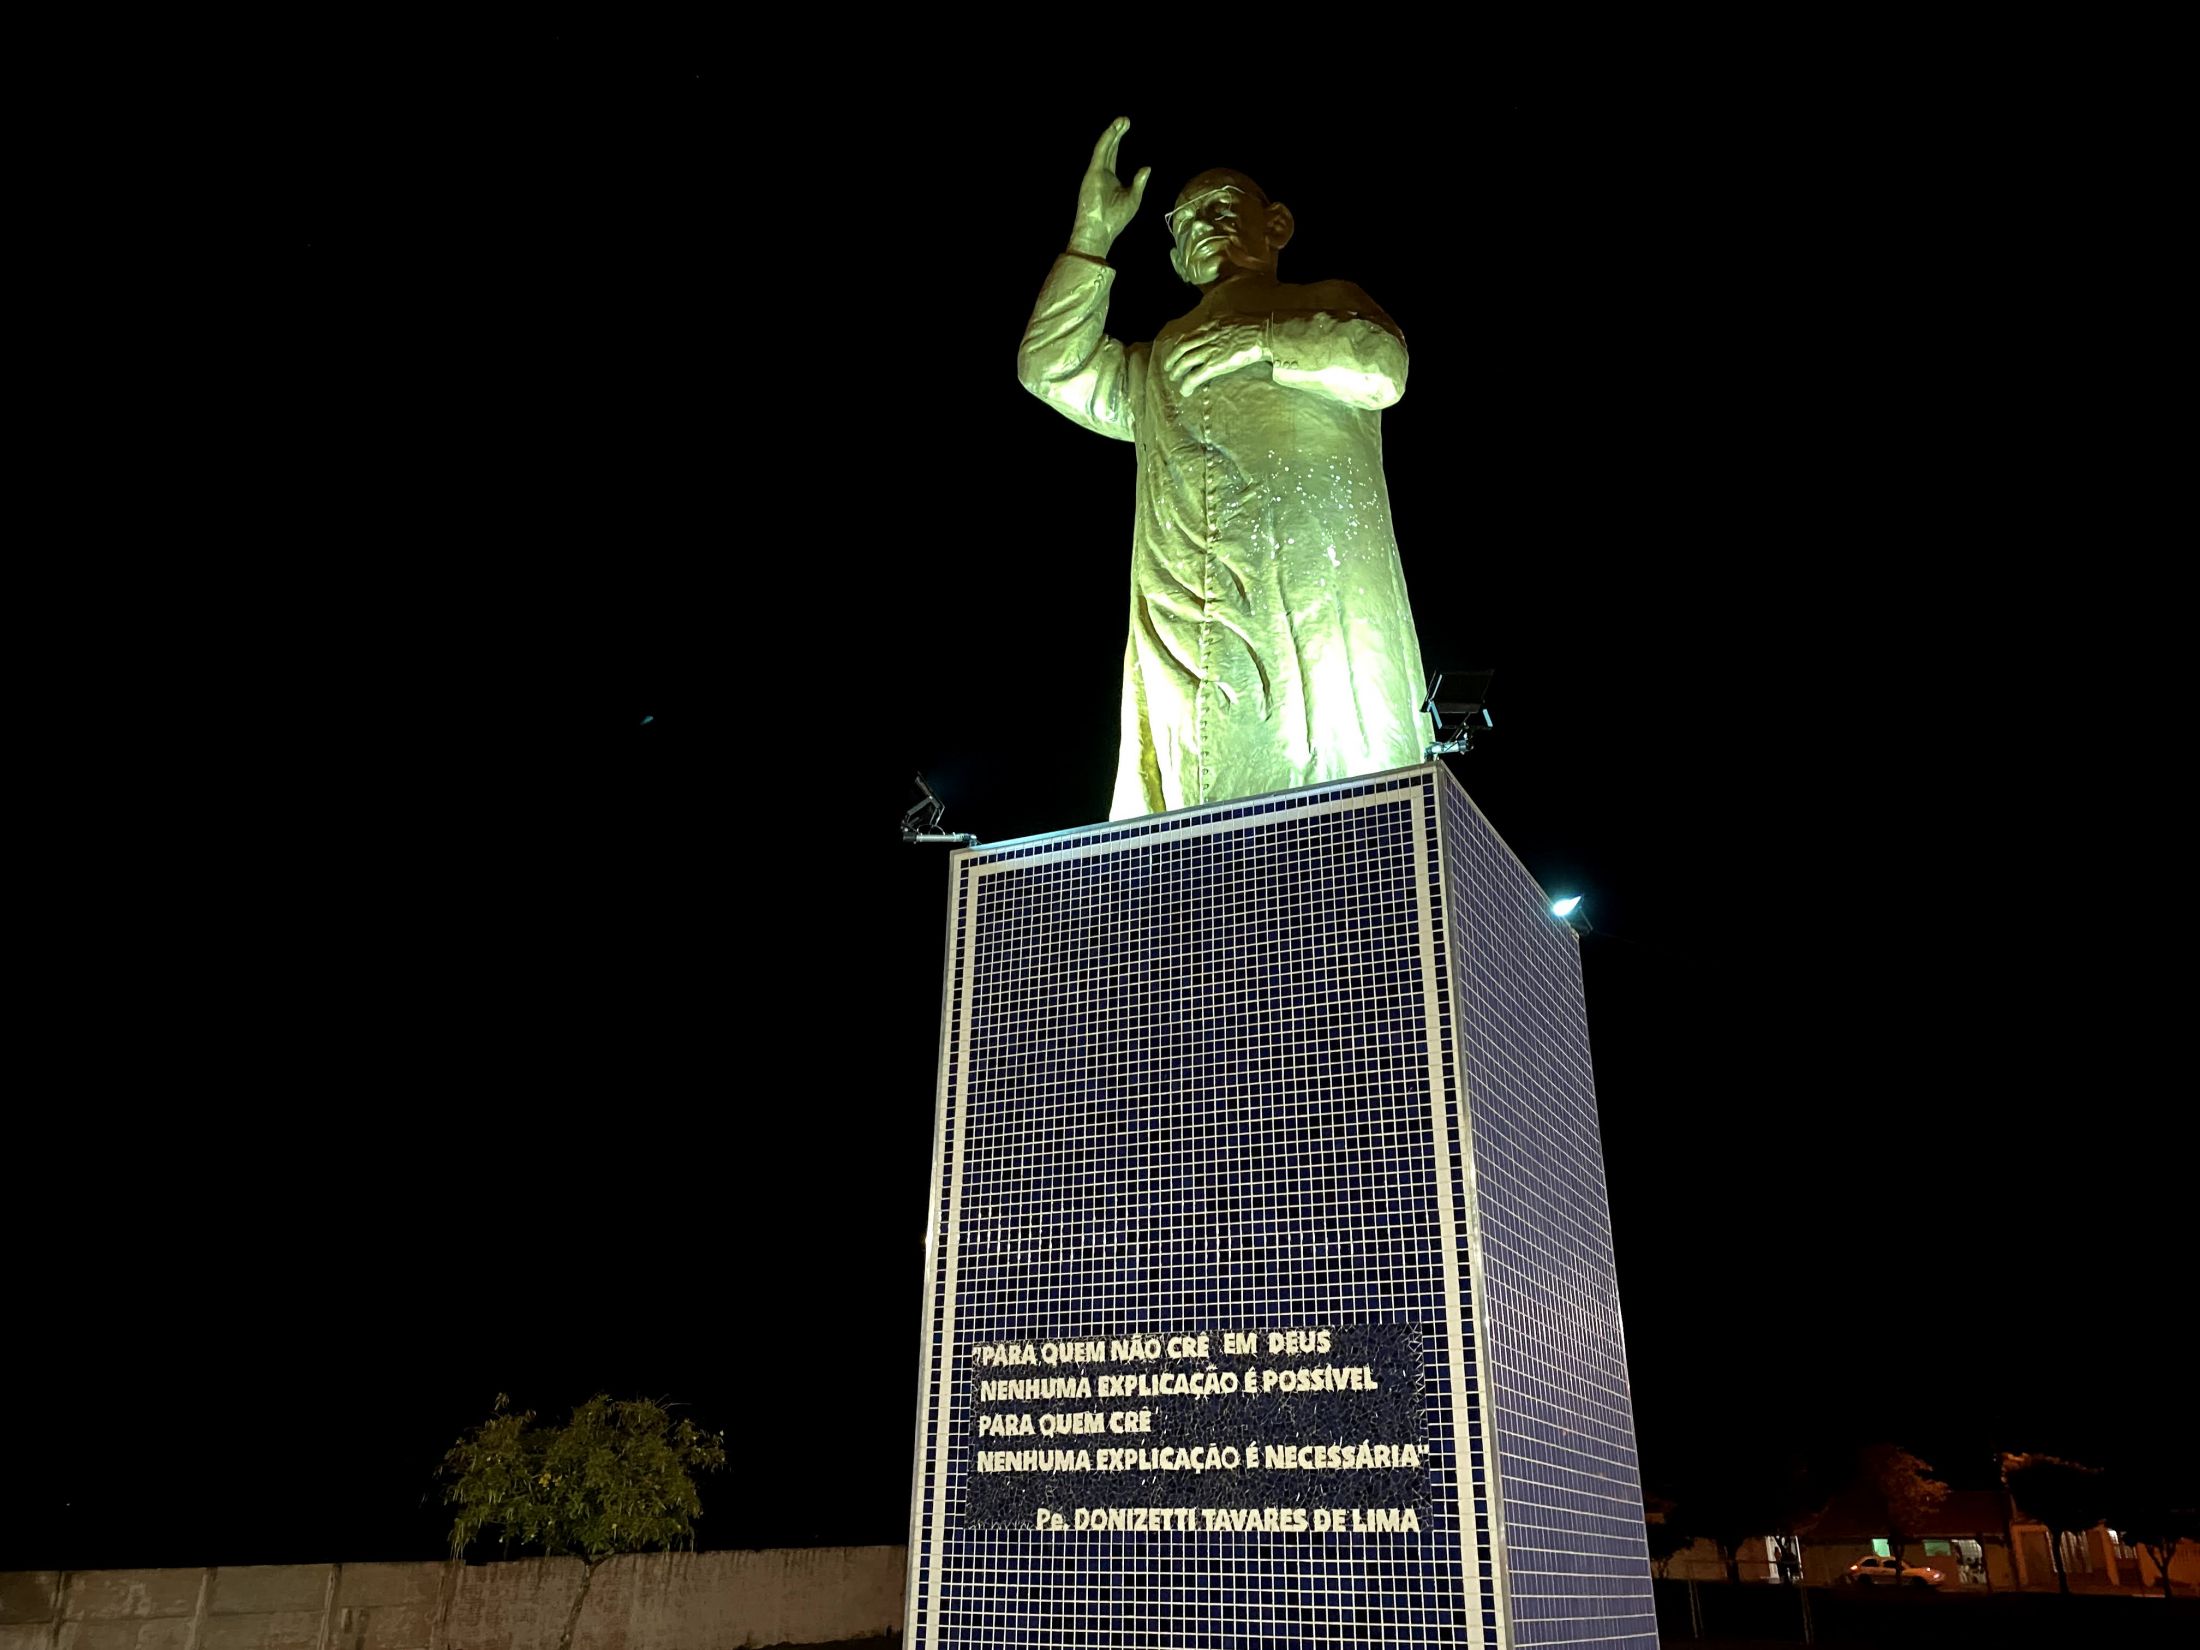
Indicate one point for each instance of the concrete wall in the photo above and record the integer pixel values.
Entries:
(659, 1601)
(1701, 1562)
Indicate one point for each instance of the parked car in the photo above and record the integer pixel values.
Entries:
(1874, 1571)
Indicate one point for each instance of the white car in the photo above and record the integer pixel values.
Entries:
(1874, 1571)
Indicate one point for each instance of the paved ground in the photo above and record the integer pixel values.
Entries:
(1844, 1622)
(1758, 1618)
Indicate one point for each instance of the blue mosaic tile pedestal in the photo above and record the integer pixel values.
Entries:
(1313, 1061)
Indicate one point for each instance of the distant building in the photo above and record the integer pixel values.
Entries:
(1968, 1540)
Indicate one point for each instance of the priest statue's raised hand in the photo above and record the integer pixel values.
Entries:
(1271, 642)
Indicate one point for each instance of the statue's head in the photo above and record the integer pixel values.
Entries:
(1224, 225)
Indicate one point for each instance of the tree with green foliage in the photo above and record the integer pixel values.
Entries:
(2149, 1512)
(1900, 1493)
(1668, 1536)
(1667, 1542)
(1733, 1497)
(1795, 1491)
(1729, 1514)
(1718, 1501)
(617, 1477)
(2065, 1496)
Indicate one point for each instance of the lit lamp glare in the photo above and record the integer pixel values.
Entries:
(1565, 907)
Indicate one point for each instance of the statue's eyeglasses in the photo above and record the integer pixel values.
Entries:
(1170, 224)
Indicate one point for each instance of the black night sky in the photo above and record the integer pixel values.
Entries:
(475, 1034)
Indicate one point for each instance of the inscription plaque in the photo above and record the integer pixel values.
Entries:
(1193, 1423)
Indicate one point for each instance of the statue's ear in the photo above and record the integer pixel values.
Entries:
(1280, 225)
(1176, 262)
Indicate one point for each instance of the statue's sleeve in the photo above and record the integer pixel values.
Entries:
(1348, 350)
(1069, 361)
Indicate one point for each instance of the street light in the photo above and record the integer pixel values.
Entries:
(922, 822)
(1458, 711)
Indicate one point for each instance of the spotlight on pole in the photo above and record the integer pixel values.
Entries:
(1459, 710)
(922, 822)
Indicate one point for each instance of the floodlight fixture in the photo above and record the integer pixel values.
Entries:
(1455, 698)
(921, 823)
(1565, 907)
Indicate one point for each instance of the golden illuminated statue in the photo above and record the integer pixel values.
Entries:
(1271, 643)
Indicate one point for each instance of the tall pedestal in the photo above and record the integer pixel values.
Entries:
(1271, 1297)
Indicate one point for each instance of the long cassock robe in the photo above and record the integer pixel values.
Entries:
(1271, 643)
